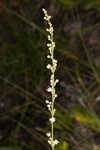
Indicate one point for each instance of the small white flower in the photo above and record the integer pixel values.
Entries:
(49, 141)
(48, 56)
(55, 142)
(48, 134)
(48, 66)
(55, 65)
(45, 18)
(49, 89)
(48, 105)
(52, 120)
(51, 81)
(49, 38)
(57, 80)
(47, 30)
(48, 45)
(45, 12)
(56, 95)
(47, 102)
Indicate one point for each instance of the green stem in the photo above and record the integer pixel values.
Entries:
(52, 128)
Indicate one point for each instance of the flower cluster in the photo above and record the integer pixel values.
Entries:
(53, 81)
(55, 142)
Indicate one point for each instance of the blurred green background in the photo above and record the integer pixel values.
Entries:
(24, 77)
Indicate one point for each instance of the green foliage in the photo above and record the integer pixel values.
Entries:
(65, 119)
(68, 2)
(88, 4)
(62, 146)
(89, 117)
(10, 148)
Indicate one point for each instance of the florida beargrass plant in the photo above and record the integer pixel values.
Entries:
(51, 89)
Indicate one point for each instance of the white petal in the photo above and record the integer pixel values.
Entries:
(52, 120)
(49, 89)
(48, 134)
(48, 66)
(47, 102)
(56, 142)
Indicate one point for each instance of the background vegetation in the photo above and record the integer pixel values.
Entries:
(24, 78)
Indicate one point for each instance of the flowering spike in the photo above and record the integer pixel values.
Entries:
(53, 82)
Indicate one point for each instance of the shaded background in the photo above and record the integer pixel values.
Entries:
(24, 78)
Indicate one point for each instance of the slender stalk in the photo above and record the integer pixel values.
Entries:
(53, 82)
